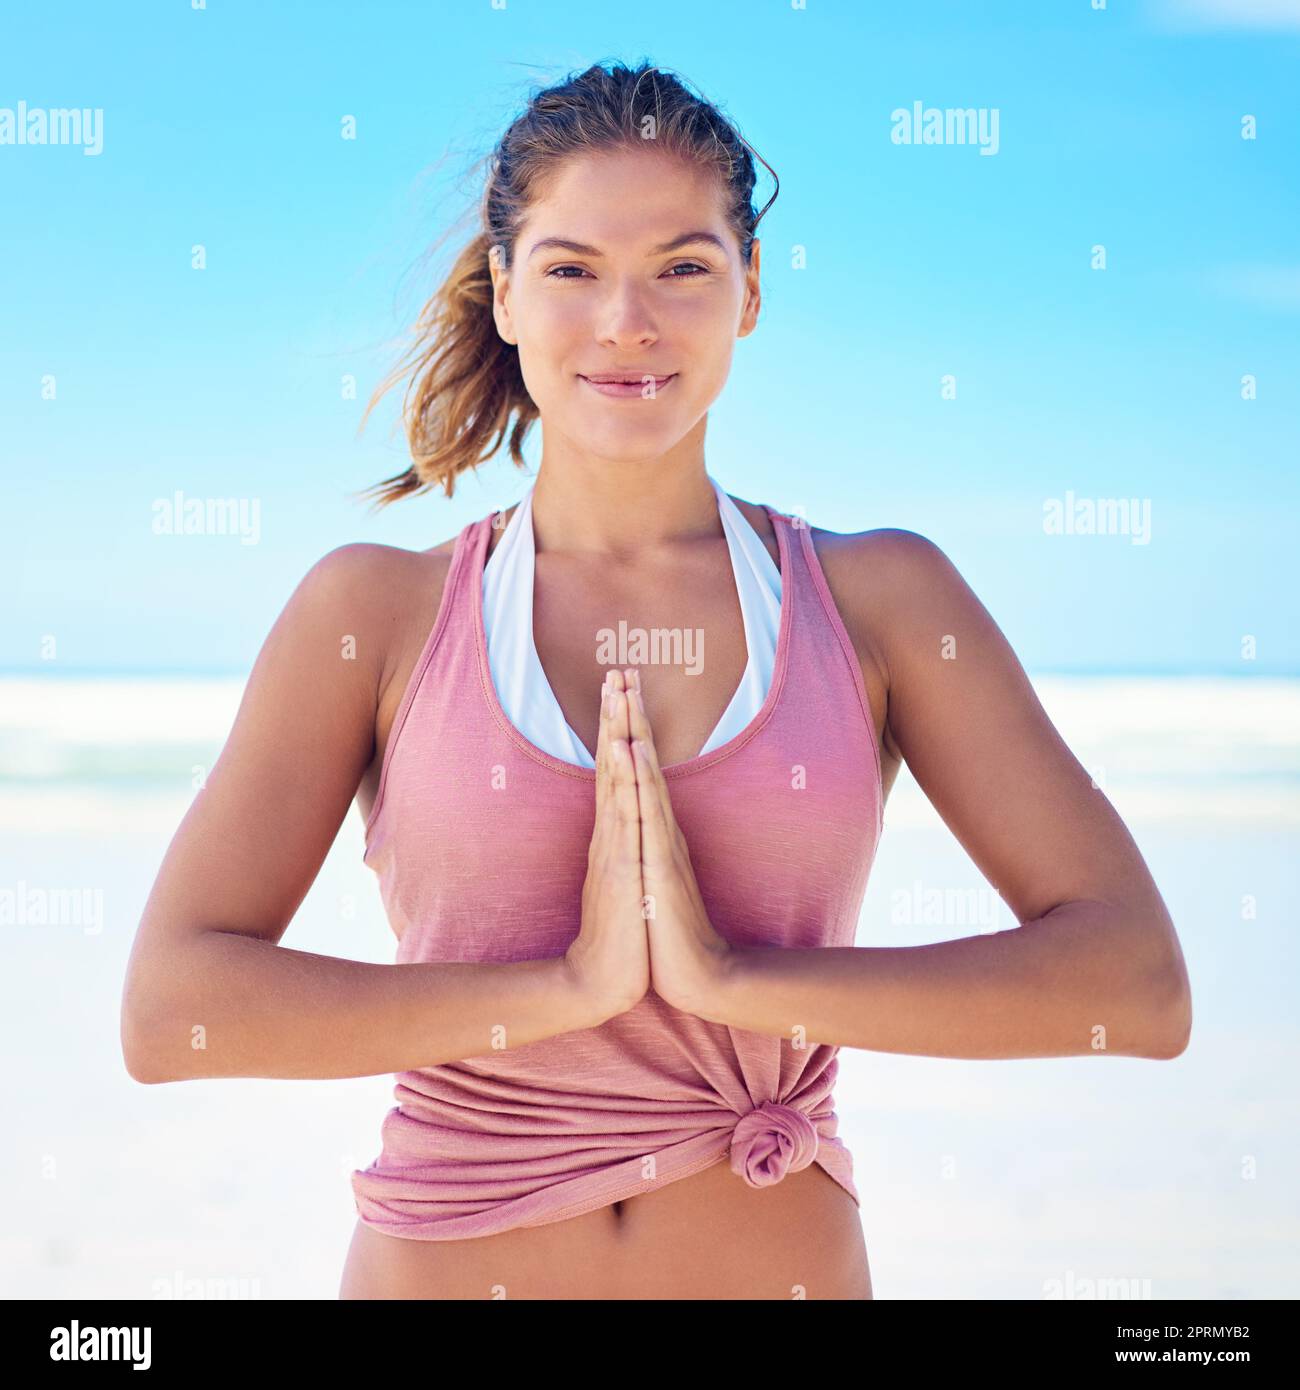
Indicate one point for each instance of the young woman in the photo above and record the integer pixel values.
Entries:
(622, 754)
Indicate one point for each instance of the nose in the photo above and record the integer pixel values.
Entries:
(771, 1141)
(627, 320)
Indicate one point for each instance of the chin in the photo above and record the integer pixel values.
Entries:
(624, 449)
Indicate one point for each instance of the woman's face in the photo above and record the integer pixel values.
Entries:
(623, 300)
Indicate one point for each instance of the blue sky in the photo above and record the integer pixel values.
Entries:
(1119, 127)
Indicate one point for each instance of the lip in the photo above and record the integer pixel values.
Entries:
(629, 390)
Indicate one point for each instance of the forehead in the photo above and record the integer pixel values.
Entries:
(629, 195)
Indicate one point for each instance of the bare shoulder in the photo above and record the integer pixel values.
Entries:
(385, 596)
(888, 553)
(889, 579)
(362, 557)
(882, 582)
(374, 579)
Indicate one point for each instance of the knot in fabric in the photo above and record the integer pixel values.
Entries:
(771, 1141)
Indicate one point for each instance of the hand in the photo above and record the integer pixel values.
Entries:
(688, 959)
(610, 956)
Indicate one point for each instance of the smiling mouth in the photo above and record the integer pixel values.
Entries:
(629, 388)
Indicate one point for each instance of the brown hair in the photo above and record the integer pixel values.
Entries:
(466, 384)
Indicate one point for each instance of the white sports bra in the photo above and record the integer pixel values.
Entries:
(522, 688)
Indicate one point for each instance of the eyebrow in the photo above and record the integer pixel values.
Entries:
(579, 248)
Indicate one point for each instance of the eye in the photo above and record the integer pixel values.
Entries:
(556, 272)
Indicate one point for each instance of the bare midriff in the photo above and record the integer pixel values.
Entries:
(706, 1236)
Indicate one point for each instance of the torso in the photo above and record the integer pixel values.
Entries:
(802, 1237)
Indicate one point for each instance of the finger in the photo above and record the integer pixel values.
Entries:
(656, 838)
(606, 729)
(639, 724)
(620, 735)
(619, 724)
(623, 788)
(617, 718)
(604, 766)
(657, 819)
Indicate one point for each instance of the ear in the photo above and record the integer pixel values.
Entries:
(500, 295)
(753, 293)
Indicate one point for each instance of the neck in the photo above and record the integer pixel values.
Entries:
(620, 510)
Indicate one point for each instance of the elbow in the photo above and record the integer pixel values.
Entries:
(141, 1073)
(138, 1035)
(1177, 1031)
(1168, 1014)
(156, 1027)
(140, 1060)
(1157, 992)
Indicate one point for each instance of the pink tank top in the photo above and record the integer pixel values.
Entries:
(479, 839)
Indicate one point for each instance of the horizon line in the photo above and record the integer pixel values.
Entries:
(233, 672)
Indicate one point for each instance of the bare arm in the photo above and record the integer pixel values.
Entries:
(1094, 966)
(209, 991)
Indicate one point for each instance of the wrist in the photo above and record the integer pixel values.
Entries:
(582, 1006)
(721, 986)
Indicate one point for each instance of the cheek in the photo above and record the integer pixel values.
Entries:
(552, 341)
(554, 321)
(706, 327)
